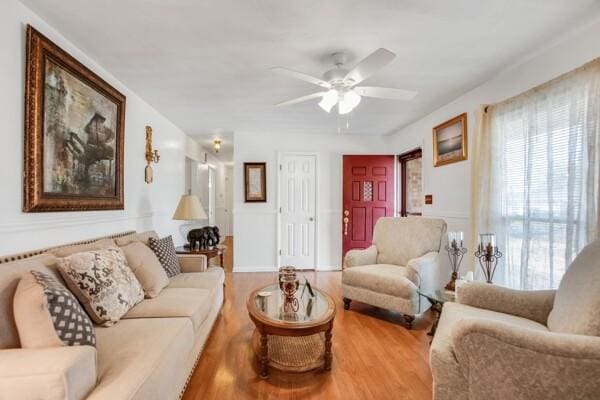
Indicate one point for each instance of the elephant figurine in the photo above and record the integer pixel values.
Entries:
(206, 237)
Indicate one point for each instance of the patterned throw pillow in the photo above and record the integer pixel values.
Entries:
(165, 251)
(48, 315)
(103, 283)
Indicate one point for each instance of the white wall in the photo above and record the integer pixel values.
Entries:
(255, 224)
(146, 206)
(451, 185)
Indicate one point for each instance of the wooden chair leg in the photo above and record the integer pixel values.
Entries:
(347, 303)
(409, 321)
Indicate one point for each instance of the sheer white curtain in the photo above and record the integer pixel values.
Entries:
(536, 177)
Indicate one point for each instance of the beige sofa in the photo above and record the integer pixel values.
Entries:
(149, 354)
(404, 258)
(496, 343)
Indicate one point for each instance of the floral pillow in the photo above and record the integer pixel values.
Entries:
(103, 282)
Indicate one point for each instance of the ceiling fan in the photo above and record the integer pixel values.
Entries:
(341, 83)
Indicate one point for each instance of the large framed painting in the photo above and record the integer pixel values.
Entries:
(74, 133)
(450, 141)
(255, 182)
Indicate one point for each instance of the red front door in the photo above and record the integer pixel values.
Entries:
(368, 195)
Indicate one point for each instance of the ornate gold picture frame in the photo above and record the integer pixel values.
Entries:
(74, 133)
(450, 141)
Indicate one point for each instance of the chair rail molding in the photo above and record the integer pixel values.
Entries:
(71, 221)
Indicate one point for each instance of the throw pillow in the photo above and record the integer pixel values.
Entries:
(48, 315)
(165, 251)
(103, 283)
(146, 267)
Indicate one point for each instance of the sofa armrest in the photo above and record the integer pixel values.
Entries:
(355, 258)
(424, 270)
(59, 373)
(531, 304)
(504, 361)
(192, 263)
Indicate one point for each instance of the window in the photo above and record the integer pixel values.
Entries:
(544, 152)
(411, 183)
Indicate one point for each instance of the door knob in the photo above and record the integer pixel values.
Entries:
(346, 220)
(311, 219)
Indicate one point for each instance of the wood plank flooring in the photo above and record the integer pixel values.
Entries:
(374, 356)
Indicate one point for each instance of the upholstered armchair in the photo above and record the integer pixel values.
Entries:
(496, 343)
(404, 257)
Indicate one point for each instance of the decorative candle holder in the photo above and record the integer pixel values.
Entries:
(488, 255)
(456, 252)
(289, 284)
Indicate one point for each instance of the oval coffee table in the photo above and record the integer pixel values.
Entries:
(295, 334)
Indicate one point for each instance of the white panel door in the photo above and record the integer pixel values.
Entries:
(297, 196)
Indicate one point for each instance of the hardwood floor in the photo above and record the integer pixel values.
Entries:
(374, 356)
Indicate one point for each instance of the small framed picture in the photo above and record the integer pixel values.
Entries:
(255, 182)
(450, 141)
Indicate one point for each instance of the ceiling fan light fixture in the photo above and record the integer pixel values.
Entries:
(348, 102)
(329, 100)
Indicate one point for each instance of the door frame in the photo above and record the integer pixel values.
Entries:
(280, 156)
(212, 193)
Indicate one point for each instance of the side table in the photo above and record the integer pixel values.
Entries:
(437, 298)
(216, 251)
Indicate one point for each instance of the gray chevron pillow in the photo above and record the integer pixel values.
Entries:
(165, 251)
(48, 315)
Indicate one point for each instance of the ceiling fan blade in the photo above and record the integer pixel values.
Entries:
(300, 99)
(301, 76)
(385, 93)
(373, 63)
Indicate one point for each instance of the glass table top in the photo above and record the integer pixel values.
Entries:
(438, 295)
(309, 308)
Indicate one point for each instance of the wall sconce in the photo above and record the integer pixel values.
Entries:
(152, 156)
(217, 145)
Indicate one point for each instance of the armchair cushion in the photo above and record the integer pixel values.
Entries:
(53, 373)
(531, 304)
(359, 257)
(507, 361)
(577, 303)
(381, 278)
(399, 240)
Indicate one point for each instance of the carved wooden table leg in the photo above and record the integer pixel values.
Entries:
(409, 321)
(264, 356)
(437, 309)
(328, 353)
(347, 303)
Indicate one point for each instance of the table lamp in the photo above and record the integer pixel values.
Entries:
(188, 209)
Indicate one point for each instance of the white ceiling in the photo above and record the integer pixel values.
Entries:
(205, 64)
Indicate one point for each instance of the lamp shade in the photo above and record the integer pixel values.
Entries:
(189, 207)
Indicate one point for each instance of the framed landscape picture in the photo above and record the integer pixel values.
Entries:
(255, 182)
(74, 133)
(450, 141)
